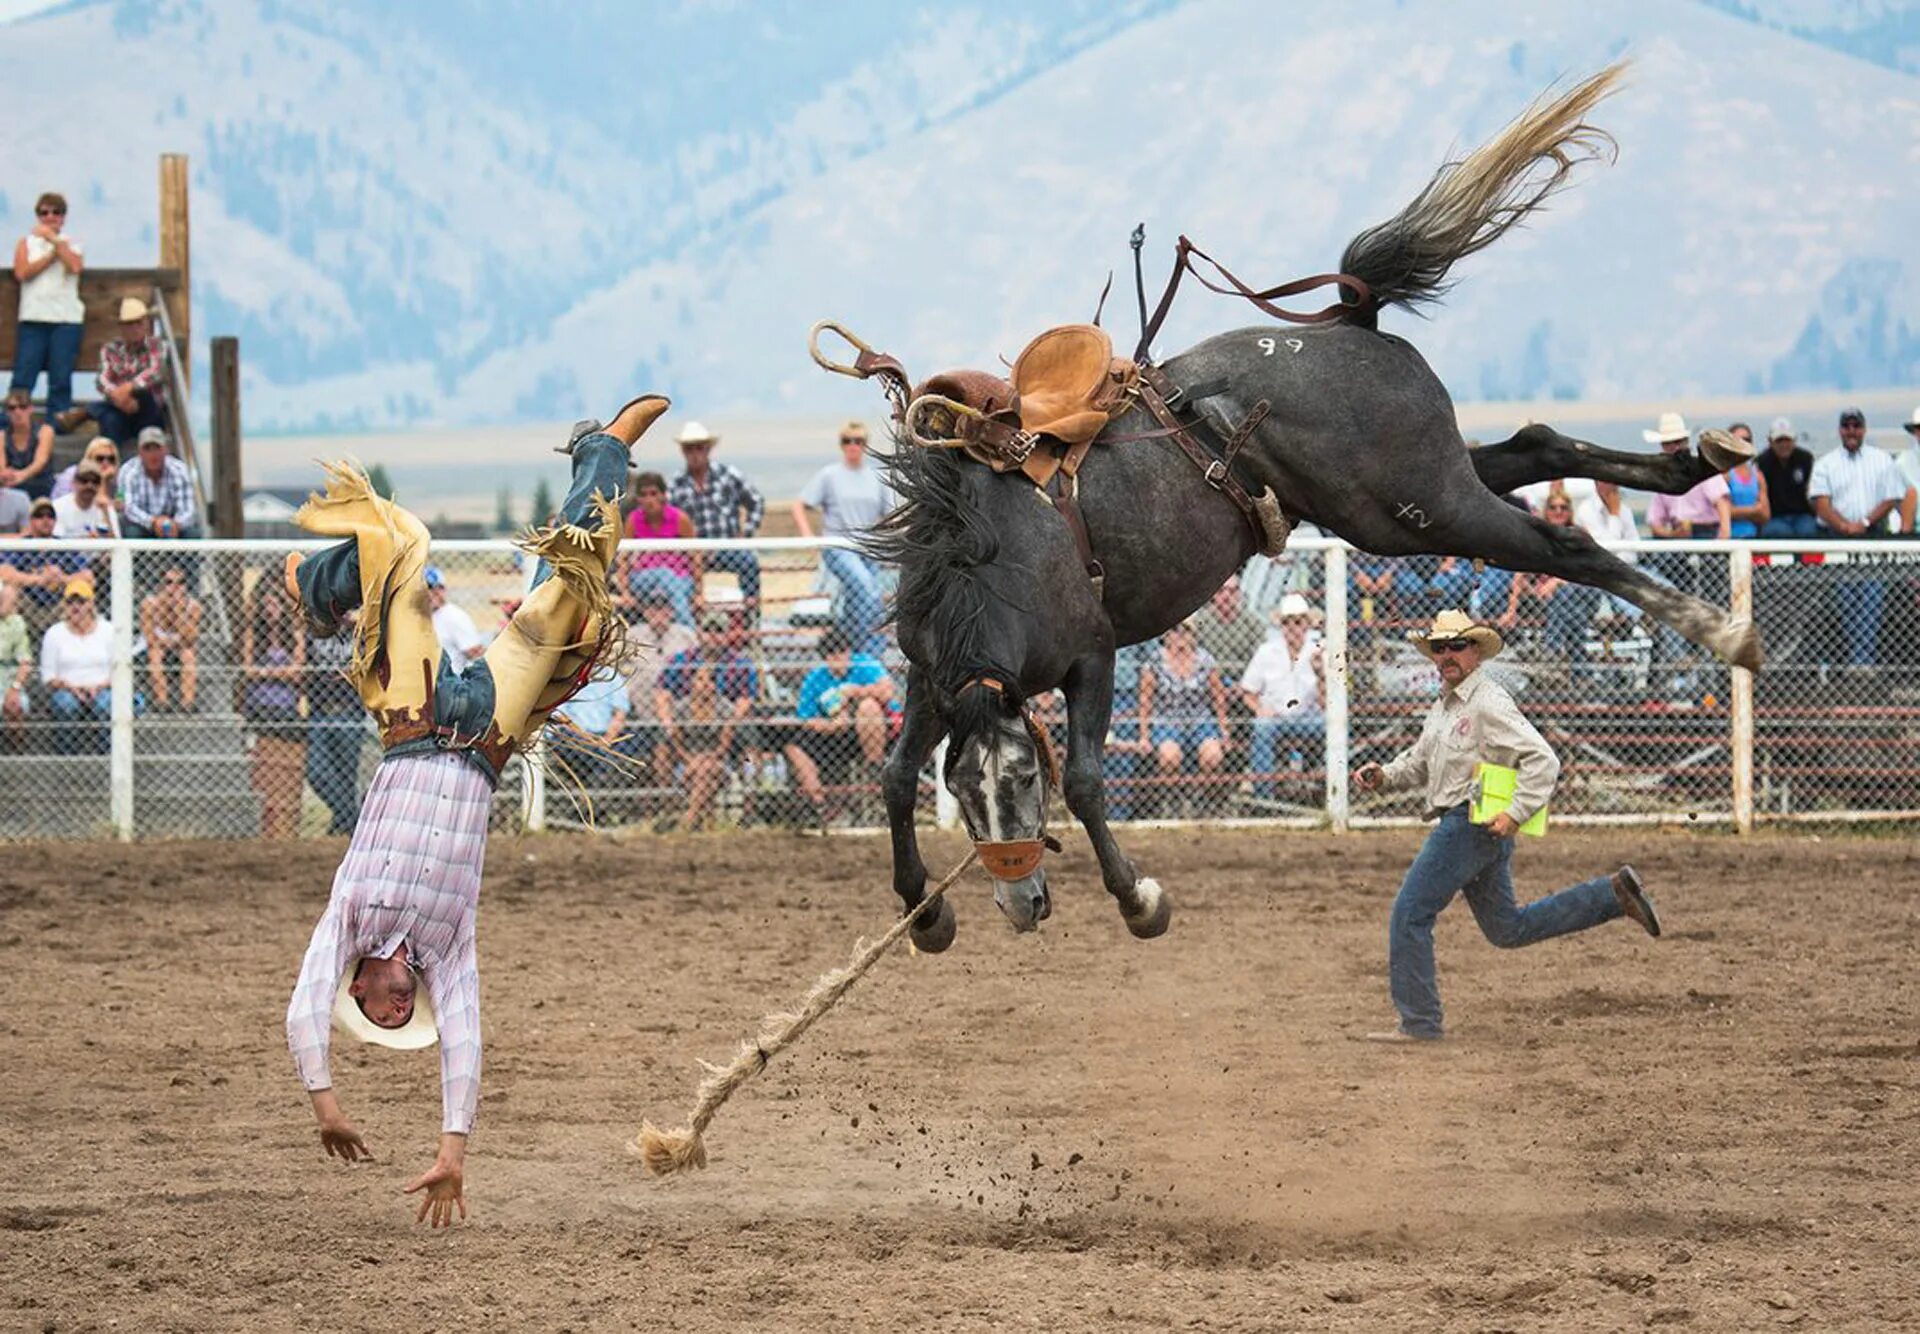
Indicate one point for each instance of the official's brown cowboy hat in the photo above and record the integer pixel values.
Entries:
(1458, 625)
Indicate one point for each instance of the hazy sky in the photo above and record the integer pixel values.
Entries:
(14, 9)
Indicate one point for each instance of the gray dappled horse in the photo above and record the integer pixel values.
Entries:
(995, 604)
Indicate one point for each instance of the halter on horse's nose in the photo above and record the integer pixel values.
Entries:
(1011, 860)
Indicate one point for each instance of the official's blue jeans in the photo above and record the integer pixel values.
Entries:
(124, 427)
(53, 348)
(1791, 525)
(1460, 857)
(744, 565)
(659, 581)
(333, 767)
(1862, 604)
(1308, 727)
(861, 605)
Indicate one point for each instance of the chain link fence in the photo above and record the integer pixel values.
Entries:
(185, 699)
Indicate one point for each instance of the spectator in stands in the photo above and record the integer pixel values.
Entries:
(170, 622)
(156, 496)
(336, 725)
(1566, 608)
(1854, 488)
(1607, 520)
(105, 460)
(47, 264)
(1703, 512)
(40, 572)
(132, 378)
(844, 709)
(1284, 686)
(672, 574)
(1748, 507)
(723, 505)
(1787, 469)
(662, 639)
(76, 670)
(87, 510)
(701, 700)
(16, 507)
(460, 638)
(852, 497)
(1909, 464)
(16, 666)
(273, 658)
(1183, 707)
(598, 718)
(29, 448)
(1226, 629)
(1370, 591)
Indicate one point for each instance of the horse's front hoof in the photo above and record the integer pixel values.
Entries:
(1025, 902)
(934, 932)
(1154, 913)
(1723, 450)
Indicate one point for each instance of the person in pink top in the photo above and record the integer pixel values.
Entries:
(1701, 514)
(674, 575)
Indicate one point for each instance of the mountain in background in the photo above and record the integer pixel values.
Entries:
(452, 210)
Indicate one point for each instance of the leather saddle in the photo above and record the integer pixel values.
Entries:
(1064, 388)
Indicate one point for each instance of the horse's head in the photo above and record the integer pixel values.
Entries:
(1001, 770)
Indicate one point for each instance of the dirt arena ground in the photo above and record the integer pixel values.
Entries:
(1073, 1130)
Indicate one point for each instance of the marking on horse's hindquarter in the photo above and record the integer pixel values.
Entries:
(1269, 346)
(1295, 344)
(1409, 510)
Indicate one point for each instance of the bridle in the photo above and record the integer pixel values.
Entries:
(1017, 858)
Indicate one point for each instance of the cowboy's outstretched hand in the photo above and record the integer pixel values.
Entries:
(342, 1141)
(444, 1183)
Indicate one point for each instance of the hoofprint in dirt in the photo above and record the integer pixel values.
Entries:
(1068, 1130)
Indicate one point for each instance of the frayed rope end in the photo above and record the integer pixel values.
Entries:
(665, 1152)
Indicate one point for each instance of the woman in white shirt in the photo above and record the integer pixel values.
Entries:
(47, 264)
(1608, 520)
(1282, 685)
(76, 667)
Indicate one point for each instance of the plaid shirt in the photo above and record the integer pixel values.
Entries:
(716, 510)
(412, 874)
(141, 497)
(137, 366)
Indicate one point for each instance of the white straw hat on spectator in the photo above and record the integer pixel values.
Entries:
(1294, 605)
(1782, 429)
(133, 308)
(1672, 426)
(1913, 423)
(695, 433)
(419, 1030)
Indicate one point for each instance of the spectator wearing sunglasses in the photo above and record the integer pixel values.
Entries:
(852, 497)
(76, 668)
(47, 264)
(1475, 720)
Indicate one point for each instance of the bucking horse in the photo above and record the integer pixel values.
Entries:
(1193, 464)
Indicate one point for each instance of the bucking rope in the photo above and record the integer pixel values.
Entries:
(667, 1151)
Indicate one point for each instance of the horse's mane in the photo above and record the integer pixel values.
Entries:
(939, 540)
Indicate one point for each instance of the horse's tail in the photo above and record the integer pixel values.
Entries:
(1470, 204)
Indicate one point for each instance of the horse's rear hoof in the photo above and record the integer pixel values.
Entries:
(1739, 644)
(1156, 910)
(934, 932)
(1723, 450)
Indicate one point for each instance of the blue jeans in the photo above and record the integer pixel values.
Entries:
(861, 603)
(82, 725)
(53, 348)
(659, 581)
(1862, 604)
(1570, 612)
(1791, 525)
(1461, 857)
(333, 767)
(742, 564)
(1490, 598)
(123, 427)
(1305, 728)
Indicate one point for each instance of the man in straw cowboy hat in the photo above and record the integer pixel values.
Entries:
(1475, 720)
(722, 504)
(392, 960)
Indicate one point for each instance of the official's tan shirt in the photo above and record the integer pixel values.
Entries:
(1474, 721)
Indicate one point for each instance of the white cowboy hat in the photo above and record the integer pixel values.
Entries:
(419, 1030)
(1458, 625)
(1295, 605)
(694, 433)
(1913, 423)
(133, 308)
(1672, 426)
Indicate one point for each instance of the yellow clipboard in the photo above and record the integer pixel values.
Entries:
(1493, 787)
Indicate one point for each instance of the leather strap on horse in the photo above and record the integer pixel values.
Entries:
(1063, 489)
(1159, 393)
(1356, 303)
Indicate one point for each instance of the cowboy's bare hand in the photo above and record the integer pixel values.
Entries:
(445, 1187)
(1369, 776)
(342, 1141)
